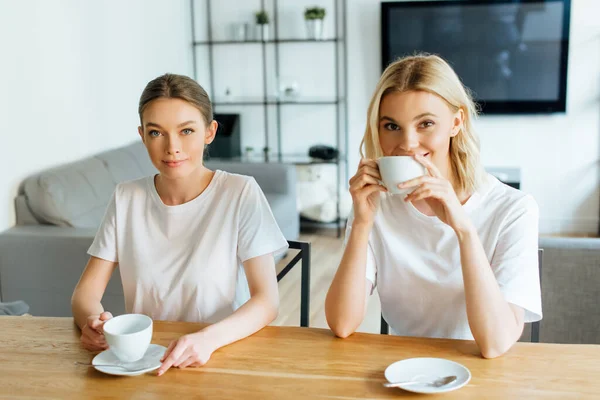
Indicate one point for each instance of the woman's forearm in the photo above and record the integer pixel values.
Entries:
(492, 320)
(83, 306)
(345, 301)
(251, 317)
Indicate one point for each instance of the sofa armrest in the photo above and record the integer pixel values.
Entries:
(41, 264)
(271, 177)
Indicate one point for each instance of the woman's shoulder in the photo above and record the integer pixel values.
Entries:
(134, 187)
(502, 197)
(235, 182)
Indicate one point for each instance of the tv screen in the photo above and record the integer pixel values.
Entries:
(512, 54)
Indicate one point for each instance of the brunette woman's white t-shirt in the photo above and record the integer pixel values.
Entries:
(184, 262)
(414, 260)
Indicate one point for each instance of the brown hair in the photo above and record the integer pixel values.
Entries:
(174, 86)
(430, 73)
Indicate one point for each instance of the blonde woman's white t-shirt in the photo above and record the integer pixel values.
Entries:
(414, 260)
(184, 263)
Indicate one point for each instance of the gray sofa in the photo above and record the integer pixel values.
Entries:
(59, 210)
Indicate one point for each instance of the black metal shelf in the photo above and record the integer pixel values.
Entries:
(259, 101)
(270, 104)
(274, 41)
(296, 159)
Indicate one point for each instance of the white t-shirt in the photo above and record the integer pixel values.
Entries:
(414, 260)
(184, 262)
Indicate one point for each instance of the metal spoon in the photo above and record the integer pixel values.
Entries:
(437, 383)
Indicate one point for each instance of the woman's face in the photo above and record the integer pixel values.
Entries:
(175, 134)
(417, 122)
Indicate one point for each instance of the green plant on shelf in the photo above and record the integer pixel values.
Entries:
(262, 17)
(312, 13)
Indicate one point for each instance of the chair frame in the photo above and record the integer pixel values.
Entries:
(304, 256)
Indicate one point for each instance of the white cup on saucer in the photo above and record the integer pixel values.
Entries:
(397, 169)
(128, 336)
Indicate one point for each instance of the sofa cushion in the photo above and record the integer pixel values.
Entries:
(76, 194)
(570, 290)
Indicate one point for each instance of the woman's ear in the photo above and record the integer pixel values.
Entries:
(457, 122)
(211, 131)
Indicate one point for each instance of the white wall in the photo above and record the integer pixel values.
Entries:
(558, 154)
(72, 72)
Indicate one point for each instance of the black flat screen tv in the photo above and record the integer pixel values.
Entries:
(512, 54)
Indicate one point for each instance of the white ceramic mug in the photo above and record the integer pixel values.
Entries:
(397, 169)
(128, 336)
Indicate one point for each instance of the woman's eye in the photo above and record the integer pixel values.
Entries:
(154, 133)
(187, 131)
(390, 126)
(427, 124)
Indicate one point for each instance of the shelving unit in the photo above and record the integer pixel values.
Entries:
(273, 106)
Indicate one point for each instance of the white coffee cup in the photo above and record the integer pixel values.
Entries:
(397, 169)
(128, 336)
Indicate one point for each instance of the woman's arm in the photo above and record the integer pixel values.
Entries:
(87, 309)
(346, 301)
(496, 324)
(262, 308)
(90, 289)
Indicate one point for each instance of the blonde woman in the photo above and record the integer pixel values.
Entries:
(455, 258)
(191, 244)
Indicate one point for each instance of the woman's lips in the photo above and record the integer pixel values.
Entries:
(173, 164)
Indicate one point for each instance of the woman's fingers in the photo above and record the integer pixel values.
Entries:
(185, 356)
(431, 168)
(93, 340)
(369, 190)
(363, 181)
(187, 363)
(169, 350)
(418, 181)
(427, 190)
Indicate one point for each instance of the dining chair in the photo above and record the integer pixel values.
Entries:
(304, 256)
(535, 326)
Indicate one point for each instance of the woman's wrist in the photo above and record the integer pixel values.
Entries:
(362, 227)
(465, 231)
(207, 338)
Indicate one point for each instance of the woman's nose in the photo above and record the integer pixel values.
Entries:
(173, 146)
(408, 141)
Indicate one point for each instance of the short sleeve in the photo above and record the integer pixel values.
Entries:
(104, 245)
(258, 232)
(371, 271)
(515, 259)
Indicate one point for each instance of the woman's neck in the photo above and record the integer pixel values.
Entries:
(174, 192)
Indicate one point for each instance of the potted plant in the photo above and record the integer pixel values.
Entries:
(314, 22)
(262, 22)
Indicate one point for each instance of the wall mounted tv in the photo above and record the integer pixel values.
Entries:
(511, 53)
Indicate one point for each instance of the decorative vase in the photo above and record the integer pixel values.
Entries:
(262, 32)
(314, 29)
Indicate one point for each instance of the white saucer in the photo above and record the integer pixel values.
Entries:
(149, 362)
(427, 369)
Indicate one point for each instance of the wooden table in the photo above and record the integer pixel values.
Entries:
(37, 361)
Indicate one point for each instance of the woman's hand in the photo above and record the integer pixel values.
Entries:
(191, 350)
(439, 194)
(92, 336)
(365, 188)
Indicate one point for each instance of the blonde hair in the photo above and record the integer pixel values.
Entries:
(432, 74)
